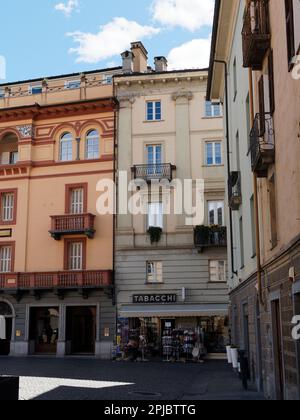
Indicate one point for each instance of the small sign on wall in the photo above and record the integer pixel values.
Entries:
(5, 233)
(106, 332)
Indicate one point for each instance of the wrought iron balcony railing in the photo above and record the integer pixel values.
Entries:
(72, 224)
(235, 190)
(210, 236)
(56, 280)
(262, 138)
(256, 33)
(154, 172)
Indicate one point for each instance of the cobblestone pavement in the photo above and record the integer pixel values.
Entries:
(89, 379)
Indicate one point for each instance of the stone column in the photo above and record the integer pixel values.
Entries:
(61, 343)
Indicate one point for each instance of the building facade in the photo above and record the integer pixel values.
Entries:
(56, 252)
(174, 283)
(260, 53)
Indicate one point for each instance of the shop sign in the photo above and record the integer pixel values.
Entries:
(160, 299)
(5, 233)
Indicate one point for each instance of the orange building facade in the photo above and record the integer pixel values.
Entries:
(56, 252)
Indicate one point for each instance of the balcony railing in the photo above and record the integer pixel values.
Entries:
(57, 280)
(235, 190)
(154, 172)
(256, 34)
(72, 224)
(210, 236)
(262, 140)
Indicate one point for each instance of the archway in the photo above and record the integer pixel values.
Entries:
(9, 149)
(6, 327)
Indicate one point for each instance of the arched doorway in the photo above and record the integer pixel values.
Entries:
(9, 149)
(6, 325)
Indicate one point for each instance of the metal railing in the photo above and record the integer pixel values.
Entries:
(262, 140)
(235, 190)
(256, 33)
(154, 172)
(72, 223)
(210, 237)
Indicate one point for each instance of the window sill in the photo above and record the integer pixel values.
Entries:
(153, 121)
(214, 166)
(220, 117)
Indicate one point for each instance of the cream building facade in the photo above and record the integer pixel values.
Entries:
(166, 131)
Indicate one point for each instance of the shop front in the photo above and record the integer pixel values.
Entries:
(6, 325)
(156, 329)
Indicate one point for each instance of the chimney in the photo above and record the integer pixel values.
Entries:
(161, 64)
(127, 61)
(140, 60)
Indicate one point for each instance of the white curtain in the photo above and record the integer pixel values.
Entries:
(2, 328)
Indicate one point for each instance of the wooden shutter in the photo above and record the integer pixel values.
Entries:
(271, 82)
(261, 91)
(290, 31)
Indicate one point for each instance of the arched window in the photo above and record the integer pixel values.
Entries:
(5, 309)
(66, 147)
(9, 149)
(92, 145)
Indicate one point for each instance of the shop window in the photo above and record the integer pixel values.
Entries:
(217, 271)
(8, 203)
(154, 272)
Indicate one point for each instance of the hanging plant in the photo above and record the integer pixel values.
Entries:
(155, 234)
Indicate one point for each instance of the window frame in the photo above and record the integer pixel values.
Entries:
(65, 140)
(290, 32)
(212, 108)
(13, 191)
(12, 245)
(67, 244)
(213, 143)
(216, 202)
(89, 137)
(68, 195)
(218, 271)
(156, 216)
(154, 111)
(155, 274)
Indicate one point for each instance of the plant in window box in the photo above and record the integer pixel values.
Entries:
(202, 234)
(155, 234)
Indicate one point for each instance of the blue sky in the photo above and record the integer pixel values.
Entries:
(52, 37)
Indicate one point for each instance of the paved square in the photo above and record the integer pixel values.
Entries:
(89, 379)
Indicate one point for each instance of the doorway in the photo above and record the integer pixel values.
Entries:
(43, 329)
(7, 323)
(259, 374)
(278, 350)
(297, 342)
(81, 329)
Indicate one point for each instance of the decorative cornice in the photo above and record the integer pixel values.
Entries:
(183, 95)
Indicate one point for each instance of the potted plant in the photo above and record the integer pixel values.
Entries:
(234, 357)
(201, 235)
(155, 234)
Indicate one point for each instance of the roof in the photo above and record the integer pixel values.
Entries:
(213, 47)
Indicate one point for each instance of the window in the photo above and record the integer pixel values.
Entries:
(76, 198)
(271, 81)
(92, 145)
(6, 252)
(76, 204)
(154, 111)
(242, 247)
(155, 215)
(216, 213)
(238, 154)
(213, 153)
(72, 84)
(36, 89)
(272, 210)
(248, 121)
(8, 202)
(13, 158)
(154, 159)
(2, 93)
(108, 80)
(154, 272)
(290, 31)
(75, 254)
(212, 110)
(235, 84)
(66, 147)
(217, 271)
(252, 209)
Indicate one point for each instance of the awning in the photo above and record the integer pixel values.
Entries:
(148, 311)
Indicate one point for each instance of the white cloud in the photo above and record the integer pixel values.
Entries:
(188, 14)
(193, 54)
(68, 8)
(112, 39)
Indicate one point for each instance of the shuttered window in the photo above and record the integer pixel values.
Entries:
(154, 272)
(75, 256)
(5, 259)
(271, 82)
(7, 206)
(77, 197)
(290, 31)
(262, 111)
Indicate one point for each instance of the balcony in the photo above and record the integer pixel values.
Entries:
(235, 191)
(59, 280)
(210, 237)
(156, 172)
(262, 140)
(72, 224)
(256, 34)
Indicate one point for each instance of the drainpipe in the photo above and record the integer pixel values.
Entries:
(256, 210)
(228, 161)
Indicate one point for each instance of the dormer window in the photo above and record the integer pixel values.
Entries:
(36, 89)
